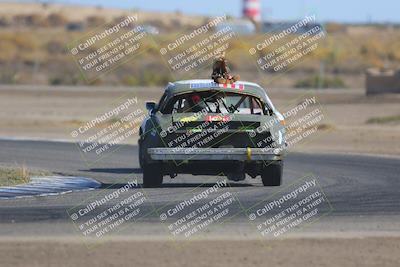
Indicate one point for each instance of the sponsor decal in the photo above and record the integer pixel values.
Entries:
(189, 119)
(238, 86)
(232, 86)
(223, 118)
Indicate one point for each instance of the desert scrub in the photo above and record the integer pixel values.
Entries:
(384, 120)
(10, 176)
(319, 82)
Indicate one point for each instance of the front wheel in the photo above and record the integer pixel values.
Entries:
(272, 174)
(141, 157)
(152, 175)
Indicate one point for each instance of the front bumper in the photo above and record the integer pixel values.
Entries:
(215, 154)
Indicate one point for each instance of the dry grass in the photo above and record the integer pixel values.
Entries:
(10, 176)
(38, 55)
(384, 120)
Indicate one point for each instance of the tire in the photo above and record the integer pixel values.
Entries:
(141, 157)
(271, 174)
(152, 175)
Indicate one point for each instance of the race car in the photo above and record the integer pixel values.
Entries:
(201, 127)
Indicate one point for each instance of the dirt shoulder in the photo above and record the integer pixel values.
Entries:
(373, 251)
(353, 123)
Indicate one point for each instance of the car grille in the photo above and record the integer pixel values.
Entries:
(231, 134)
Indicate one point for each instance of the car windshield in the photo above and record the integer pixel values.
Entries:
(214, 102)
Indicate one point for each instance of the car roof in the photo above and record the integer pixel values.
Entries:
(204, 84)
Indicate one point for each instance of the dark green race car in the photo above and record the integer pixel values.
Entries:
(201, 127)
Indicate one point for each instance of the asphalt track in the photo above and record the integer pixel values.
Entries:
(362, 192)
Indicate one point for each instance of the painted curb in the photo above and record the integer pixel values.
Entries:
(49, 185)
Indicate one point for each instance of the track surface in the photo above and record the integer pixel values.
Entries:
(363, 190)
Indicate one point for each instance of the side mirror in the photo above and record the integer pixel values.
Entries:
(150, 106)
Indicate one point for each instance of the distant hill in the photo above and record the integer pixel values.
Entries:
(75, 13)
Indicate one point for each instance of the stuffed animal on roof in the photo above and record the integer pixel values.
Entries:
(221, 71)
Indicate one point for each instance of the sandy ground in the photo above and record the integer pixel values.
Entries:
(373, 251)
(54, 112)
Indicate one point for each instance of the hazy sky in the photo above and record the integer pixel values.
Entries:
(326, 10)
